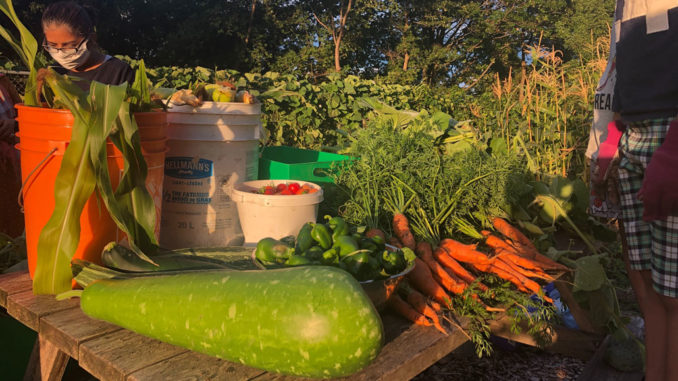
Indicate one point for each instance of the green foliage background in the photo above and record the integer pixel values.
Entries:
(522, 71)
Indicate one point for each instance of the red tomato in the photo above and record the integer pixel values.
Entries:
(281, 187)
(293, 187)
(286, 192)
(269, 190)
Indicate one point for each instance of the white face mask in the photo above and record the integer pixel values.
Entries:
(71, 61)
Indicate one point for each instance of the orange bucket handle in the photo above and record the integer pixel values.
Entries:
(20, 199)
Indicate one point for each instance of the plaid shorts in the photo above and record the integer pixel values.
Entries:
(651, 245)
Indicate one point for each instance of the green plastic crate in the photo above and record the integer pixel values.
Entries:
(282, 162)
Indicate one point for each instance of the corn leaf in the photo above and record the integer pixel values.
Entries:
(132, 195)
(74, 184)
(107, 116)
(140, 94)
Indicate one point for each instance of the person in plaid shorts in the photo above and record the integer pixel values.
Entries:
(646, 99)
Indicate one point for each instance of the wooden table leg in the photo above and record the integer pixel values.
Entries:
(47, 362)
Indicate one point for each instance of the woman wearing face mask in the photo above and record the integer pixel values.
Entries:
(71, 41)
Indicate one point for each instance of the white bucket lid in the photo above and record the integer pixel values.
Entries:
(243, 193)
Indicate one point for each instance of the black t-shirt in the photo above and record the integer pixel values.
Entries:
(112, 72)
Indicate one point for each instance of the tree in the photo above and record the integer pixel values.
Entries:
(437, 42)
(337, 29)
(584, 23)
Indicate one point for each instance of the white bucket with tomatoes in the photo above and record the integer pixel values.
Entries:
(275, 208)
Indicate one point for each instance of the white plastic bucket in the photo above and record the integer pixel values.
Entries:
(210, 149)
(274, 216)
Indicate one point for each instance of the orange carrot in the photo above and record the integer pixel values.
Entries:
(485, 233)
(512, 232)
(525, 251)
(422, 279)
(497, 243)
(407, 311)
(545, 262)
(464, 253)
(375, 232)
(424, 252)
(518, 260)
(418, 301)
(509, 276)
(435, 305)
(401, 229)
(526, 283)
(525, 272)
(441, 255)
(453, 275)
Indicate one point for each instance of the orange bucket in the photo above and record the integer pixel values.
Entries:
(44, 135)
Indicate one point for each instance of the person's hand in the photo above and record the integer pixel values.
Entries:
(605, 166)
(659, 191)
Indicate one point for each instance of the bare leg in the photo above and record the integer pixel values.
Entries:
(671, 334)
(657, 319)
(655, 316)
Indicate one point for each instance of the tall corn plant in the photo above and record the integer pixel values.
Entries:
(545, 109)
(100, 114)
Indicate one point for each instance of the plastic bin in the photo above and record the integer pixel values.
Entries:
(282, 162)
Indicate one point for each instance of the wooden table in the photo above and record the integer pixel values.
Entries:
(109, 352)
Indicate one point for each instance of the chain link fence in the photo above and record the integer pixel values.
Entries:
(18, 79)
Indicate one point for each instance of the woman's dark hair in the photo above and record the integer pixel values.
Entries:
(71, 14)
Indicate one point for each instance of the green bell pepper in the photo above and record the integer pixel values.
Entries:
(338, 225)
(393, 262)
(330, 256)
(321, 234)
(362, 266)
(368, 244)
(315, 253)
(297, 260)
(271, 251)
(304, 239)
(346, 245)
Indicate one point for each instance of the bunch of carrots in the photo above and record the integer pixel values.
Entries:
(448, 269)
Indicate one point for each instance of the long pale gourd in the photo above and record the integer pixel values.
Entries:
(305, 321)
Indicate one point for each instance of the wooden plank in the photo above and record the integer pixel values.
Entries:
(403, 357)
(598, 370)
(195, 366)
(564, 341)
(117, 354)
(28, 308)
(13, 283)
(69, 328)
(47, 362)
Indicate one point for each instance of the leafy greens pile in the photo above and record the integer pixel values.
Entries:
(449, 179)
